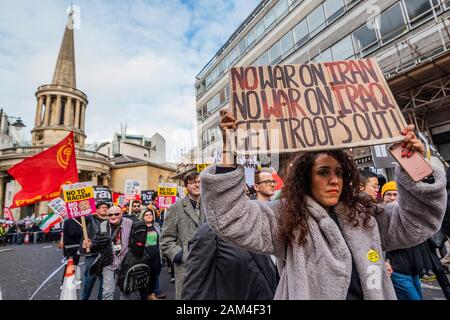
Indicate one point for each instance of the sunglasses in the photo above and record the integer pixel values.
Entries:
(114, 214)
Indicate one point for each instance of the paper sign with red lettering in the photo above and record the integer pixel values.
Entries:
(79, 198)
(331, 105)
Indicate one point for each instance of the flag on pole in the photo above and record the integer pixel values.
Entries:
(49, 221)
(42, 175)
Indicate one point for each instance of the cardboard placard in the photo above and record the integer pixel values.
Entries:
(146, 197)
(166, 202)
(58, 206)
(167, 191)
(79, 198)
(331, 105)
(103, 194)
(132, 189)
(201, 167)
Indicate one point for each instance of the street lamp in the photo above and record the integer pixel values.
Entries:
(18, 124)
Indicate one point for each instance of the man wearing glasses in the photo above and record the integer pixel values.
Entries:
(370, 184)
(135, 211)
(181, 222)
(264, 184)
(112, 241)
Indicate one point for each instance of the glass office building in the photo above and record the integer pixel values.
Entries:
(409, 38)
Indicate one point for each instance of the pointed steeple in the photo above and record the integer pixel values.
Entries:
(65, 66)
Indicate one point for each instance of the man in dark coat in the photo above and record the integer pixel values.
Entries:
(217, 270)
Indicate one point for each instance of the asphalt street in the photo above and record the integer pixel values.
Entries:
(23, 268)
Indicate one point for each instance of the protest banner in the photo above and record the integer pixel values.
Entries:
(165, 202)
(331, 105)
(103, 194)
(79, 198)
(146, 197)
(132, 191)
(201, 167)
(80, 202)
(167, 195)
(58, 206)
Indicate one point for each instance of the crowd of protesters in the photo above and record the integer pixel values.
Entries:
(17, 233)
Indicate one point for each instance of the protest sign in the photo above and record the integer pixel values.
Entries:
(165, 202)
(167, 191)
(201, 167)
(146, 197)
(79, 198)
(103, 194)
(331, 105)
(132, 189)
(58, 206)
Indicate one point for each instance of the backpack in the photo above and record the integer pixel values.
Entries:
(134, 272)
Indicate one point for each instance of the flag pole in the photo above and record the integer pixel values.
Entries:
(85, 235)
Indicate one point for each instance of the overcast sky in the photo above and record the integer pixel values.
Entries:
(136, 60)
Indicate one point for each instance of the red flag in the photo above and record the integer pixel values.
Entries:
(42, 175)
(278, 179)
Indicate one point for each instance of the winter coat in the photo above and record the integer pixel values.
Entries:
(321, 269)
(92, 227)
(180, 225)
(217, 270)
(72, 236)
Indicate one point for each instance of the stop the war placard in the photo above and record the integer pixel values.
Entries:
(331, 105)
(79, 198)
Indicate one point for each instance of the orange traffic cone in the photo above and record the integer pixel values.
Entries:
(69, 287)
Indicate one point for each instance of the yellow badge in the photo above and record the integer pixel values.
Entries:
(373, 256)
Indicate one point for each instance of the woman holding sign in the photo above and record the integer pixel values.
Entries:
(327, 240)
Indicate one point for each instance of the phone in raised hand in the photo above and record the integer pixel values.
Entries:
(415, 166)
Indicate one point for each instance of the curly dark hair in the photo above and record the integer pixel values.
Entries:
(294, 213)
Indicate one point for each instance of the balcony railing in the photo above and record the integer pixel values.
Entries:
(34, 150)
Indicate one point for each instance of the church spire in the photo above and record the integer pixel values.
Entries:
(65, 66)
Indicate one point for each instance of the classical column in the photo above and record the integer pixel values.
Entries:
(77, 114)
(57, 113)
(106, 180)
(48, 102)
(94, 178)
(68, 112)
(37, 121)
(82, 115)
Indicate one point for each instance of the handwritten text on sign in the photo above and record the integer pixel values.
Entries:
(79, 198)
(313, 106)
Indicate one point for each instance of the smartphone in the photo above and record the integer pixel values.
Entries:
(415, 166)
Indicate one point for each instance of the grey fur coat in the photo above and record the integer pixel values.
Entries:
(321, 269)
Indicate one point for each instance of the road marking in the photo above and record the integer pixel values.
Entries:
(6, 250)
(429, 286)
(46, 247)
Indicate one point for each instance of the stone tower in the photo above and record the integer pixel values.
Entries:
(61, 108)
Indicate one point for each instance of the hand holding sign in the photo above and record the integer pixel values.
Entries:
(227, 123)
(411, 143)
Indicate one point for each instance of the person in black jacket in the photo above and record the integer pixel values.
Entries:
(92, 225)
(217, 270)
(72, 235)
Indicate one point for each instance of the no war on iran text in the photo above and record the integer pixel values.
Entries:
(313, 106)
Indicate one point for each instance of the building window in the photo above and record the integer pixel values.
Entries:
(300, 33)
(343, 50)
(286, 43)
(242, 46)
(63, 111)
(418, 9)
(365, 39)
(263, 59)
(234, 54)
(251, 37)
(324, 56)
(271, 18)
(333, 9)
(226, 63)
(351, 3)
(392, 23)
(275, 53)
(282, 8)
(316, 21)
(259, 29)
(227, 91)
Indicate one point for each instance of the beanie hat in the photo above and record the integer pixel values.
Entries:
(99, 203)
(388, 186)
